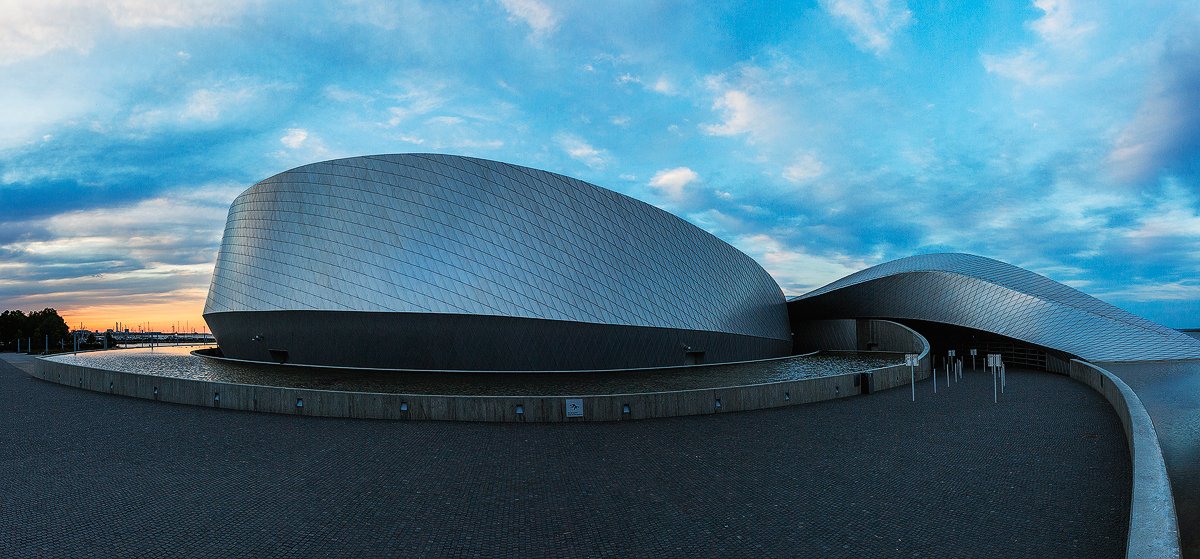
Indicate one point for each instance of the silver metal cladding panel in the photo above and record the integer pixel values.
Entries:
(447, 234)
(985, 294)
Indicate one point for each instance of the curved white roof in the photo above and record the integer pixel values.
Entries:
(985, 294)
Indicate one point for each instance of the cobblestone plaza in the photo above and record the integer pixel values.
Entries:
(1043, 473)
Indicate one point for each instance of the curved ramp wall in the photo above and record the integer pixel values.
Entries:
(984, 294)
(426, 261)
(1153, 525)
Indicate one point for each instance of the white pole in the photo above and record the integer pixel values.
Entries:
(947, 374)
(912, 376)
(994, 385)
(1002, 377)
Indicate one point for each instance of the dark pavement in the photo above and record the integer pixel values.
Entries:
(1045, 473)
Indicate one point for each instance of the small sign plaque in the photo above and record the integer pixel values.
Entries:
(574, 407)
(952, 353)
(974, 353)
(911, 359)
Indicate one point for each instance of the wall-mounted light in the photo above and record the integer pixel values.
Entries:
(156, 391)
(787, 396)
(520, 409)
(625, 408)
(718, 402)
(216, 397)
(299, 402)
(403, 406)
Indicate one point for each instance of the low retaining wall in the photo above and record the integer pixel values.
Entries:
(869, 335)
(1153, 527)
(606, 407)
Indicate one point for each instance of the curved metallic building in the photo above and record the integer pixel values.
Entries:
(983, 294)
(438, 262)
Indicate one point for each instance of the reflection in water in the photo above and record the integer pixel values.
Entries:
(178, 362)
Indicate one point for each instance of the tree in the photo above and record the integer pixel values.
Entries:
(13, 325)
(46, 322)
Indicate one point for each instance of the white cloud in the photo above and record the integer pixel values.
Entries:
(581, 151)
(670, 182)
(872, 23)
(294, 137)
(203, 105)
(806, 167)
(1166, 130)
(1058, 24)
(535, 14)
(1026, 67)
(1056, 57)
(304, 146)
(1173, 216)
(445, 120)
(31, 28)
(208, 104)
(471, 143)
(664, 87)
(417, 101)
(338, 94)
(117, 260)
(619, 120)
(1182, 290)
(740, 114)
(796, 271)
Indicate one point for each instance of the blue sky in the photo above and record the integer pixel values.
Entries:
(1062, 136)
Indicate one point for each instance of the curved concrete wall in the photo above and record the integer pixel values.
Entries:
(1153, 526)
(608, 407)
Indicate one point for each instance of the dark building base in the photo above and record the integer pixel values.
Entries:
(457, 342)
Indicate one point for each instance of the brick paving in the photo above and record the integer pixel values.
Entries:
(1045, 473)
